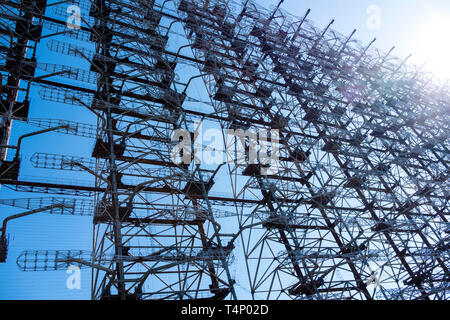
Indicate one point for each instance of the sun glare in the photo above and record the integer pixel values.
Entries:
(432, 45)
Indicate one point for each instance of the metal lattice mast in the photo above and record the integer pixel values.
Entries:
(360, 192)
(262, 54)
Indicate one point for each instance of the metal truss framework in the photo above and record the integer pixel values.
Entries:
(357, 210)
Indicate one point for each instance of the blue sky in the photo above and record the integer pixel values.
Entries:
(409, 25)
(402, 23)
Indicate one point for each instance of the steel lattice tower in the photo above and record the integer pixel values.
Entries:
(358, 208)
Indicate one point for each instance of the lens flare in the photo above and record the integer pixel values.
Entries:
(432, 45)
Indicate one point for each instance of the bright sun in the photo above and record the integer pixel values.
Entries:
(432, 45)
